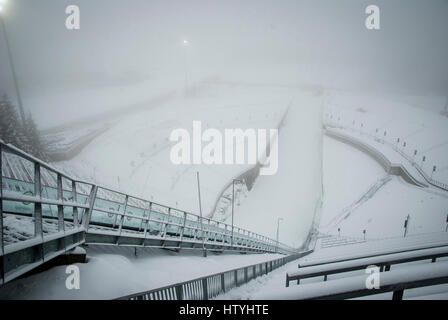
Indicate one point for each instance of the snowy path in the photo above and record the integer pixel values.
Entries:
(112, 272)
(292, 193)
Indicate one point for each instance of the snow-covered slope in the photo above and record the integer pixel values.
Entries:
(133, 156)
(295, 191)
(416, 121)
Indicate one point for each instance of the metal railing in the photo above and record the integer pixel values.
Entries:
(211, 286)
(393, 281)
(59, 212)
(36, 236)
(384, 262)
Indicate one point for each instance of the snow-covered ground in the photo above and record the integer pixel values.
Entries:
(348, 173)
(113, 272)
(416, 121)
(354, 205)
(272, 285)
(133, 156)
(294, 192)
(359, 195)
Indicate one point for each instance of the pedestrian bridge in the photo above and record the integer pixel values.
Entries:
(45, 212)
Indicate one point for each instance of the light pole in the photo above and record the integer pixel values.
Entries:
(278, 231)
(185, 44)
(11, 63)
(233, 203)
(406, 225)
(200, 213)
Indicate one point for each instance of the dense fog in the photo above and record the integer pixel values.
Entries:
(127, 50)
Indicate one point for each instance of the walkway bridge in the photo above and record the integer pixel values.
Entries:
(45, 212)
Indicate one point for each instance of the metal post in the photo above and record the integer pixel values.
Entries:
(397, 295)
(278, 231)
(215, 232)
(147, 226)
(165, 229)
(233, 208)
(233, 204)
(183, 228)
(75, 209)
(38, 230)
(179, 292)
(200, 213)
(433, 170)
(88, 213)
(406, 225)
(236, 278)
(123, 216)
(223, 285)
(205, 288)
(61, 226)
(13, 70)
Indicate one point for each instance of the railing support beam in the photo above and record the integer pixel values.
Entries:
(88, 212)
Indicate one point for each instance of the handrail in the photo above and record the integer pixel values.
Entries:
(28, 157)
(383, 261)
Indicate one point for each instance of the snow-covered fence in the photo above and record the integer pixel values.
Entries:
(384, 262)
(29, 238)
(208, 287)
(139, 222)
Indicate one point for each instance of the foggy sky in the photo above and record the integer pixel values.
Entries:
(126, 42)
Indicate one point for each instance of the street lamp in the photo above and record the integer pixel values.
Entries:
(233, 202)
(278, 231)
(11, 63)
(204, 250)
